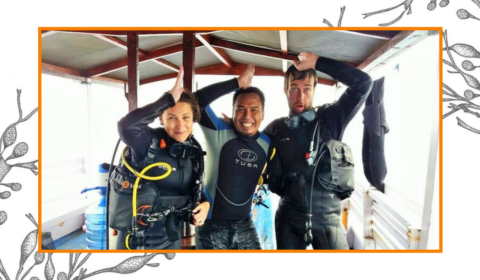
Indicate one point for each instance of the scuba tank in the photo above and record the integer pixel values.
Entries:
(95, 215)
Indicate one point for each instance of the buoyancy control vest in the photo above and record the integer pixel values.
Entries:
(305, 154)
(170, 199)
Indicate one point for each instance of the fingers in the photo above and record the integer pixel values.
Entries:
(196, 209)
(226, 118)
(251, 69)
(297, 64)
(199, 218)
(245, 78)
(302, 56)
(179, 81)
(200, 214)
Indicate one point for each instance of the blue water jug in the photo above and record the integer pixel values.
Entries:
(95, 215)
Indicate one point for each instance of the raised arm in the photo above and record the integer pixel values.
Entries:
(358, 85)
(133, 128)
(207, 95)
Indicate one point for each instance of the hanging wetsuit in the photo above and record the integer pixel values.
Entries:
(373, 153)
(178, 186)
(291, 177)
(233, 166)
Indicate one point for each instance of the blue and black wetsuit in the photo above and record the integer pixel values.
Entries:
(291, 177)
(233, 166)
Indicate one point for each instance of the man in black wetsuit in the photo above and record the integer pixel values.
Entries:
(236, 156)
(290, 176)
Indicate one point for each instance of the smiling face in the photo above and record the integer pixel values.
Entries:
(247, 113)
(300, 94)
(178, 121)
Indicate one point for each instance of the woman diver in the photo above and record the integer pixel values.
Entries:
(162, 203)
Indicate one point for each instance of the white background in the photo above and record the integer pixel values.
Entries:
(19, 58)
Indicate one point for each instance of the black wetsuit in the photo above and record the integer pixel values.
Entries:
(134, 132)
(290, 176)
(234, 165)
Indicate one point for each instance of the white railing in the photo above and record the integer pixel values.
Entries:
(386, 223)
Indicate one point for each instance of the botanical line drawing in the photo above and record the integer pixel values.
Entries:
(407, 6)
(468, 106)
(464, 14)
(342, 11)
(8, 138)
(76, 262)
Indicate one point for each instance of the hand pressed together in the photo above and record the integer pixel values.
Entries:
(177, 89)
(245, 79)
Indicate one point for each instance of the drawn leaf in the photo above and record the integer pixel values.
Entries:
(20, 150)
(10, 136)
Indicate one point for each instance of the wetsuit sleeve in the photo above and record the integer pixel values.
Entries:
(207, 95)
(359, 85)
(133, 128)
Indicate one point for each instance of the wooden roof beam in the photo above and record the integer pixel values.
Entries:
(63, 72)
(218, 52)
(257, 51)
(132, 70)
(115, 65)
(393, 47)
(221, 69)
(251, 49)
(143, 54)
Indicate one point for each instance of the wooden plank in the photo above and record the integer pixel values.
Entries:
(393, 47)
(218, 52)
(251, 49)
(221, 69)
(108, 81)
(133, 74)
(63, 72)
(284, 47)
(258, 51)
(158, 78)
(112, 40)
(143, 54)
(121, 63)
(166, 64)
(189, 60)
(107, 68)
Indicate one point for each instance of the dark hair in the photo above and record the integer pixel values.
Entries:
(190, 99)
(299, 75)
(248, 90)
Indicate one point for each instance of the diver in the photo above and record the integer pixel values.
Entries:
(237, 154)
(162, 204)
(309, 211)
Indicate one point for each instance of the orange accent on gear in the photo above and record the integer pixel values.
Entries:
(125, 184)
(142, 208)
(114, 232)
(163, 144)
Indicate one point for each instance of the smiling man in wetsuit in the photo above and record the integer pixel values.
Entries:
(310, 214)
(236, 156)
